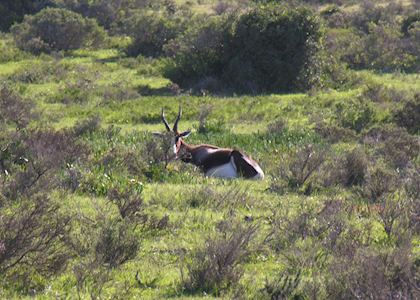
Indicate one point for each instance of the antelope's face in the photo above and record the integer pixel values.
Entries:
(177, 144)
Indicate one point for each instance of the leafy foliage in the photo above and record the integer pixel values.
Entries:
(215, 266)
(268, 49)
(54, 29)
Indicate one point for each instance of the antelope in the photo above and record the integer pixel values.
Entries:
(212, 160)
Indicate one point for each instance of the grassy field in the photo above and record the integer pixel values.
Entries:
(185, 210)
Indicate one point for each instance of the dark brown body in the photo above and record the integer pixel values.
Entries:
(220, 162)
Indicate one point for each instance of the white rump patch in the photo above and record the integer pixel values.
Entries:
(227, 170)
(260, 173)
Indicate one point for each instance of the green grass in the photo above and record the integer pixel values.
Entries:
(243, 123)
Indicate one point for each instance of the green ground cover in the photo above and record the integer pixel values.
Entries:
(185, 209)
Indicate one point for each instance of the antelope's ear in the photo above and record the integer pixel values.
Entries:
(185, 133)
(157, 134)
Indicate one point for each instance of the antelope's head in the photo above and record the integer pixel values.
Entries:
(177, 138)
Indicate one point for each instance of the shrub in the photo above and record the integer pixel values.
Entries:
(299, 169)
(355, 167)
(129, 203)
(355, 114)
(117, 243)
(13, 11)
(395, 144)
(409, 22)
(378, 184)
(369, 13)
(32, 240)
(326, 224)
(282, 287)
(266, 49)
(87, 126)
(371, 38)
(272, 49)
(375, 274)
(383, 51)
(333, 133)
(199, 52)
(54, 29)
(205, 111)
(75, 92)
(150, 31)
(105, 12)
(14, 109)
(277, 127)
(9, 52)
(40, 73)
(215, 266)
(408, 115)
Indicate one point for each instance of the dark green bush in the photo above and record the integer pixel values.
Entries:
(109, 14)
(409, 22)
(200, 52)
(272, 49)
(267, 49)
(104, 11)
(355, 167)
(12, 11)
(54, 29)
(150, 31)
(409, 115)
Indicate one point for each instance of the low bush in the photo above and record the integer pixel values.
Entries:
(379, 93)
(75, 92)
(325, 223)
(32, 241)
(408, 115)
(374, 273)
(277, 127)
(15, 111)
(117, 243)
(356, 114)
(379, 183)
(54, 29)
(216, 266)
(299, 170)
(371, 37)
(33, 228)
(87, 126)
(40, 73)
(395, 144)
(354, 167)
(333, 133)
(9, 52)
(283, 287)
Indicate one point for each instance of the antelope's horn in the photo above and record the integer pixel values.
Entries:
(165, 122)
(175, 129)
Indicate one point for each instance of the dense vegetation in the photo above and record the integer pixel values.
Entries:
(91, 206)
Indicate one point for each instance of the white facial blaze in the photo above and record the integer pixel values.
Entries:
(173, 144)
